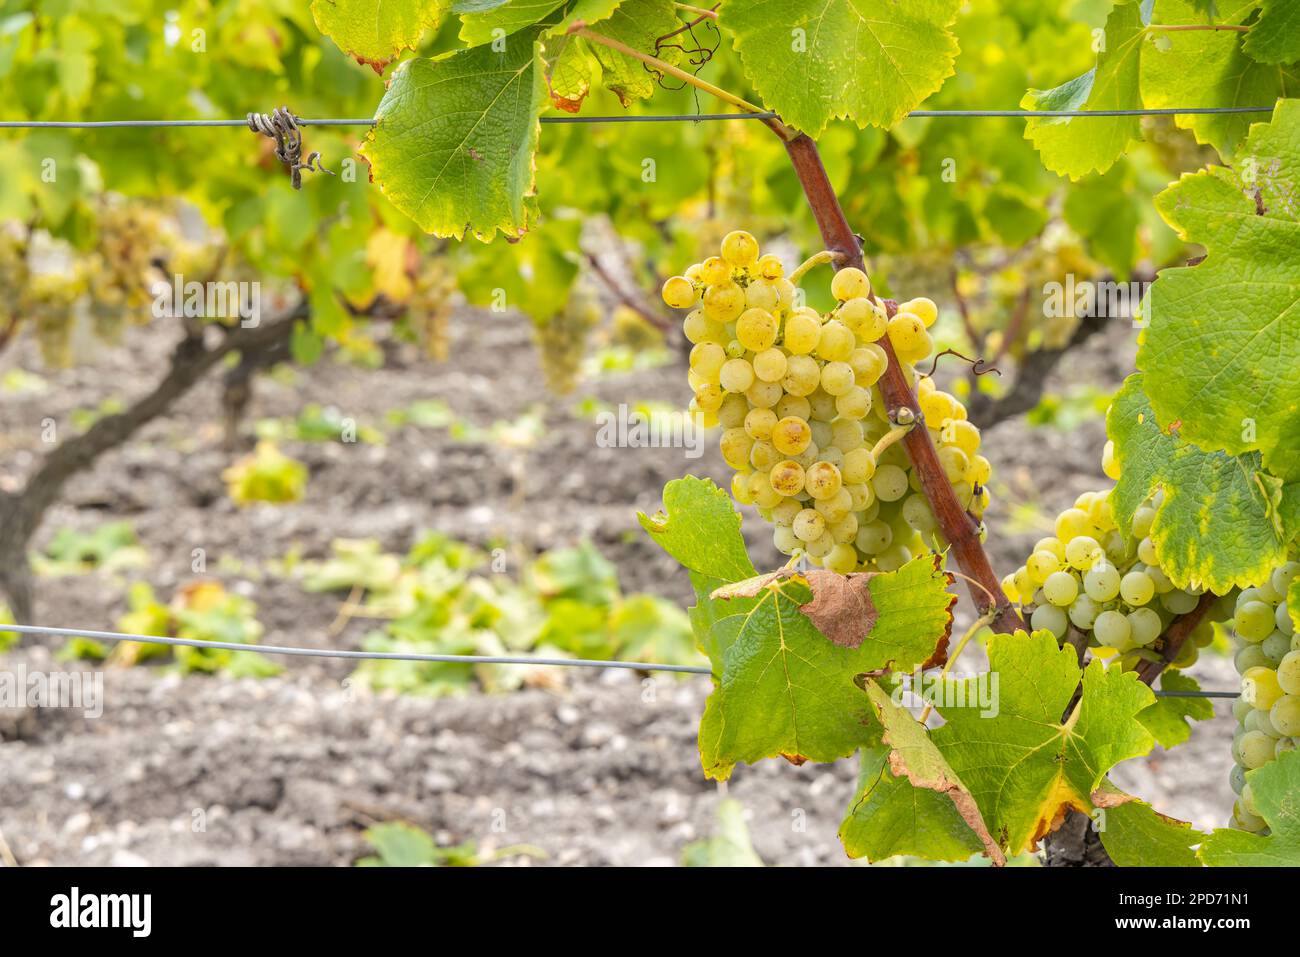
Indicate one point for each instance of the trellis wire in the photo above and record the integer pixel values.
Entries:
(634, 118)
(413, 656)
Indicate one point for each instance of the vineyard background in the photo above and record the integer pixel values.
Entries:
(588, 772)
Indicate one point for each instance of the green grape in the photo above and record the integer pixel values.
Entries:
(1177, 601)
(890, 483)
(1083, 552)
(1101, 582)
(1051, 618)
(1256, 750)
(1282, 618)
(1254, 620)
(1061, 588)
(1112, 628)
(1288, 673)
(1275, 647)
(850, 283)
(1083, 613)
(1260, 688)
(1249, 656)
(756, 329)
(1145, 627)
(680, 293)
(1137, 588)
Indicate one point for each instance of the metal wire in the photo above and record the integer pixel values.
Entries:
(366, 655)
(450, 659)
(634, 118)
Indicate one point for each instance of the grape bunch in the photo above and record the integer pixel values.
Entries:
(563, 338)
(1107, 582)
(124, 265)
(804, 424)
(1268, 711)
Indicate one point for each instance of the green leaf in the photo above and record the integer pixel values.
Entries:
(570, 72)
(700, 527)
(729, 847)
(1275, 36)
(1167, 718)
(1209, 69)
(638, 24)
(1276, 787)
(913, 754)
(1137, 835)
(456, 137)
(787, 689)
(1076, 146)
(813, 62)
(1223, 522)
(1025, 766)
(588, 11)
(889, 817)
(1224, 338)
(509, 17)
(374, 32)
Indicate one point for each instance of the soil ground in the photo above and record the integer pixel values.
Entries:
(290, 770)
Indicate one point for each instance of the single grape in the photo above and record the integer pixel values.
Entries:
(1288, 673)
(1083, 552)
(1101, 582)
(890, 483)
(791, 435)
(1051, 618)
(1083, 613)
(1061, 588)
(1254, 620)
(724, 302)
(770, 365)
(837, 342)
(1137, 588)
(1260, 688)
(1177, 601)
(809, 525)
(1256, 749)
(739, 248)
(823, 480)
(1112, 628)
(1041, 565)
(787, 477)
(850, 283)
(679, 293)
(924, 309)
(803, 375)
(1145, 627)
(874, 537)
(1110, 462)
(736, 375)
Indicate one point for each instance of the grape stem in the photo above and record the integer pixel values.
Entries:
(956, 525)
(981, 622)
(888, 439)
(1171, 642)
(818, 259)
(580, 29)
(700, 11)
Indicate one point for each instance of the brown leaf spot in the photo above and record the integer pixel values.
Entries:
(841, 606)
(795, 759)
(475, 155)
(377, 65)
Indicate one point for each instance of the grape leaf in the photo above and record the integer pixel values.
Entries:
(1275, 36)
(1167, 718)
(1076, 146)
(1137, 835)
(786, 689)
(1026, 767)
(510, 17)
(1224, 337)
(813, 62)
(570, 70)
(913, 755)
(889, 816)
(588, 11)
(1209, 69)
(638, 24)
(1276, 787)
(700, 528)
(374, 32)
(1224, 521)
(455, 138)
